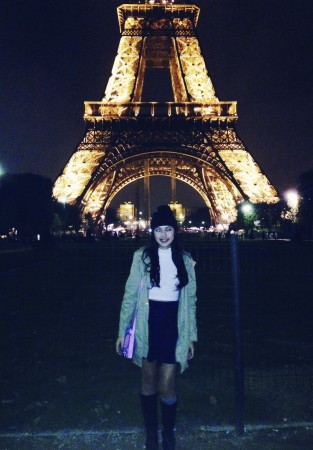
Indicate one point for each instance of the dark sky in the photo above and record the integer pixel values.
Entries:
(57, 54)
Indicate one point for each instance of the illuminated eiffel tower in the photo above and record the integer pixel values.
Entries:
(192, 138)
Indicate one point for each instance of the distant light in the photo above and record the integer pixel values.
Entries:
(62, 201)
(2, 171)
(159, 1)
(246, 208)
(292, 198)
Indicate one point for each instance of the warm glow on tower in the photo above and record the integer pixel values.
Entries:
(191, 138)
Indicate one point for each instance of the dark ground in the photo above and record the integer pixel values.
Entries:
(59, 316)
(271, 439)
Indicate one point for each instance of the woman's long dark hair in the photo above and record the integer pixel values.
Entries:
(150, 258)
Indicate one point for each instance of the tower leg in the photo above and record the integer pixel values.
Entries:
(147, 192)
(173, 183)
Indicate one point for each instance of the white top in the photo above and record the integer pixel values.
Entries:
(167, 292)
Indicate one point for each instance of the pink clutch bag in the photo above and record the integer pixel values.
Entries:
(129, 343)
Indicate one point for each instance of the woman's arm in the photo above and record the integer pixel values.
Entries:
(130, 294)
(192, 299)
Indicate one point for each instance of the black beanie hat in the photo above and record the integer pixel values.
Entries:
(163, 216)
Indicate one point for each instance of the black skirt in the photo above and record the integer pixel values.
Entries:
(163, 331)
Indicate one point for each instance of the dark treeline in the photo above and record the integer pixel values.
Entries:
(26, 206)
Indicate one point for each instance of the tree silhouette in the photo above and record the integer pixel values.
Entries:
(305, 190)
(26, 205)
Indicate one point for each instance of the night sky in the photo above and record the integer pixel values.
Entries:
(57, 54)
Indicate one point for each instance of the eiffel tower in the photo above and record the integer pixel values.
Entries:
(192, 138)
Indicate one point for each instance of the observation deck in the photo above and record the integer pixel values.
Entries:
(164, 10)
(99, 111)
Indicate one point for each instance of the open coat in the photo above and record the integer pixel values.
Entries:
(136, 292)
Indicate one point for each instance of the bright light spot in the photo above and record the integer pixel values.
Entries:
(2, 171)
(247, 208)
(292, 198)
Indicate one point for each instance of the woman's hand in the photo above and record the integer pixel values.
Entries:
(118, 346)
(191, 352)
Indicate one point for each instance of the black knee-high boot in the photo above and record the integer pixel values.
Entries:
(168, 423)
(149, 407)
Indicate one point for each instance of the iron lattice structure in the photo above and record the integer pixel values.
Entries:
(192, 138)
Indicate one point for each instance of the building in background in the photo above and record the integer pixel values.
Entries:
(179, 211)
(126, 212)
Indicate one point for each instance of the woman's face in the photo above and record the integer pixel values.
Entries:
(164, 235)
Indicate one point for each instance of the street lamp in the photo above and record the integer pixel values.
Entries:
(246, 208)
(292, 198)
(63, 201)
(2, 171)
(248, 216)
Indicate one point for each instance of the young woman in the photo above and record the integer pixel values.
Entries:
(162, 283)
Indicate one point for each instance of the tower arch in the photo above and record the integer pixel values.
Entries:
(191, 171)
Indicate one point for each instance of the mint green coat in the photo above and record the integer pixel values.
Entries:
(136, 289)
